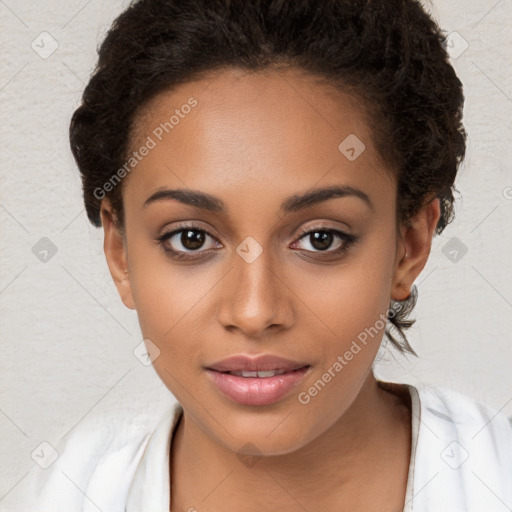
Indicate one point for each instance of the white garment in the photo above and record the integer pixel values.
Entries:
(461, 461)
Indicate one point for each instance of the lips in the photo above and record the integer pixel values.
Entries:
(256, 391)
(256, 381)
(259, 364)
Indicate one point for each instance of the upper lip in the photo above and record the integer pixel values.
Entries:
(243, 362)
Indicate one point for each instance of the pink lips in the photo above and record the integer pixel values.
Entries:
(256, 390)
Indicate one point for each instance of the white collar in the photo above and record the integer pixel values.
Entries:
(446, 427)
(150, 487)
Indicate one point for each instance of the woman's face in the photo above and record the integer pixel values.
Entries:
(246, 280)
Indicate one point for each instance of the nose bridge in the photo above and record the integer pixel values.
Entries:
(255, 298)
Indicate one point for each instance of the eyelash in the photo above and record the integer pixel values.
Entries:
(347, 239)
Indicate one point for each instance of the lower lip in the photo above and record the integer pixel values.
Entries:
(256, 390)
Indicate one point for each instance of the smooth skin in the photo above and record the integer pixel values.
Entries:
(254, 140)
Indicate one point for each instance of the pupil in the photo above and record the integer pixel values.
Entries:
(321, 240)
(192, 239)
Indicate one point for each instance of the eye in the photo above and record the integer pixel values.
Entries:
(186, 240)
(321, 239)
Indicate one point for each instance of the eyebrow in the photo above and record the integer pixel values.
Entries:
(294, 203)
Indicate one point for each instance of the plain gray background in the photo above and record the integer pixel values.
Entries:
(67, 340)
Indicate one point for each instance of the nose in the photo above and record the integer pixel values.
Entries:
(255, 298)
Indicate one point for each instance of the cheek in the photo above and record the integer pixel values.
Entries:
(169, 308)
(164, 292)
(345, 299)
(349, 306)
(171, 302)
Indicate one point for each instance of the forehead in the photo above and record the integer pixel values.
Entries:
(273, 133)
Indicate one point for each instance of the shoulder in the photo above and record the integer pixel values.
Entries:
(96, 463)
(443, 405)
(463, 456)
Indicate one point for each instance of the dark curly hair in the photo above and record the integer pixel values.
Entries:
(389, 54)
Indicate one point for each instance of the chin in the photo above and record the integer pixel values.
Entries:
(260, 434)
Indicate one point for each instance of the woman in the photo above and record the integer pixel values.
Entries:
(269, 175)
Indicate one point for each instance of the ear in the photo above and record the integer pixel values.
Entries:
(114, 246)
(413, 248)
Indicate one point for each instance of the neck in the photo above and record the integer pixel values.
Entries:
(367, 448)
